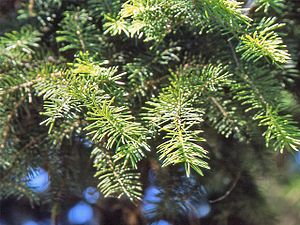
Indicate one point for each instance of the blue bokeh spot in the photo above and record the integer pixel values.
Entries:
(149, 209)
(30, 222)
(161, 222)
(80, 213)
(91, 195)
(202, 209)
(151, 194)
(150, 201)
(38, 180)
(199, 209)
(2, 222)
(45, 222)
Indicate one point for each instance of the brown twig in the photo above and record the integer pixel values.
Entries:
(9, 118)
(225, 195)
(30, 7)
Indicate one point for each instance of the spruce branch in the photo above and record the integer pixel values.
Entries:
(17, 43)
(266, 5)
(173, 115)
(117, 84)
(115, 179)
(264, 43)
(227, 14)
(78, 32)
(281, 131)
(91, 89)
(116, 127)
(225, 118)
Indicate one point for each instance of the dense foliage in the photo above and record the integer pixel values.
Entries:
(200, 91)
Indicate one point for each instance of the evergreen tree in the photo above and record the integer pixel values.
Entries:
(199, 92)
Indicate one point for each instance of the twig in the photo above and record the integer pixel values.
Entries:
(30, 7)
(218, 105)
(18, 87)
(233, 185)
(28, 83)
(9, 118)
